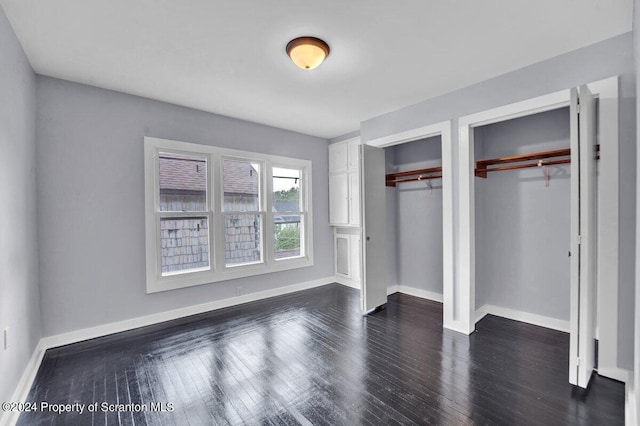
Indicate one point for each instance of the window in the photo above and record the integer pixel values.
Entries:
(288, 219)
(242, 212)
(183, 213)
(208, 218)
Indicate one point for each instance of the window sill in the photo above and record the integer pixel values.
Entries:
(176, 281)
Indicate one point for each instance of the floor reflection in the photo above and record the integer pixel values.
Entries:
(312, 358)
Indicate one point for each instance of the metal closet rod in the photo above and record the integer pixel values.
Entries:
(482, 166)
(410, 175)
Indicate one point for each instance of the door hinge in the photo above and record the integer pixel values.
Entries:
(578, 107)
(579, 239)
(578, 361)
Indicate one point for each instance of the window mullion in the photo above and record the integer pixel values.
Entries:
(218, 216)
(269, 238)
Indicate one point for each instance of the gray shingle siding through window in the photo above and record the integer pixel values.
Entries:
(183, 184)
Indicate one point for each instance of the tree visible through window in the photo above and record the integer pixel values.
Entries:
(287, 216)
(209, 219)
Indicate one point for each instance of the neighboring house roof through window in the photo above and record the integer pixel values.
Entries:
(186, 173)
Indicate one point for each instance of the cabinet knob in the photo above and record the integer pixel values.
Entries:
(368, 238)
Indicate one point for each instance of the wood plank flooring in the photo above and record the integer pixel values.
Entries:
(311, 358)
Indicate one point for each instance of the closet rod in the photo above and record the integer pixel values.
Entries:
(430, 173)
(482, 165)
(524, 166)
(413, 179)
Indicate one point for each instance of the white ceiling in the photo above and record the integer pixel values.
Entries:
(228, 57)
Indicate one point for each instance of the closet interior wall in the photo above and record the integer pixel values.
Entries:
(522, 225)
(414, 217)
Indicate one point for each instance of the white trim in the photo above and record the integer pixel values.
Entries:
(466, 236)
(529, 318)
(423, 294)
(481, 312)
(21, 393)
(465, 299)
(218, 271)
(448, 232)
(608, 246)
(130, 324)
(524, 108)
(416, 292)
(444, 130)
(630, 414)
(620, 374)
(347, 283)
(410, 135)
(608, 232)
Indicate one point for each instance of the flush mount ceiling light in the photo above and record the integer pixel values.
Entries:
(307, 52)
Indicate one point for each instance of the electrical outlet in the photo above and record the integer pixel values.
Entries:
(6, 338)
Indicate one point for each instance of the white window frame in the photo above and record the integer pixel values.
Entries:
(302, 213)
(249, 158)
(218, 271)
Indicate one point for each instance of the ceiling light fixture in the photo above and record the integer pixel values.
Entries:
(307, 52)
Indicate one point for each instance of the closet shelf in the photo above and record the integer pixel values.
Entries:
(483, 166)
(414, 175)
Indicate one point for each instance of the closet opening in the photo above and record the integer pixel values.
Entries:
(594, 225)
(415, 217)
(523, 219)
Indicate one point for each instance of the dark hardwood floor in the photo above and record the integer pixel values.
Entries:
(311, 358)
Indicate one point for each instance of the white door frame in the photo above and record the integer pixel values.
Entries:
(608, 235)
(444, 130)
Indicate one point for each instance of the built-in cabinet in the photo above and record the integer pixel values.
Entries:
(344, 183)
(344, 209)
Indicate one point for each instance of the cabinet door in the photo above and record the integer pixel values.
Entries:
(353, 154)
(343, 255)
(354, 198)
(338, 157)
(338, 199)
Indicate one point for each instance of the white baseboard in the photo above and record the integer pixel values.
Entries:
(346, 282)
(458, 327)
(423, 294)
(392, 289)
(130, 324)
(481, 312)
(619, 374)
(539, 320)
(21, 392)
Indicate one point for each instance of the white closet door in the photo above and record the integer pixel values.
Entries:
(583, 234)
(374, 227)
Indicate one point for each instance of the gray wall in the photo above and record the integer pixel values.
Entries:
(19, 294)
(418, 217)
(91, 201)
(601, 60)
(522, 226)
(344, 137)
